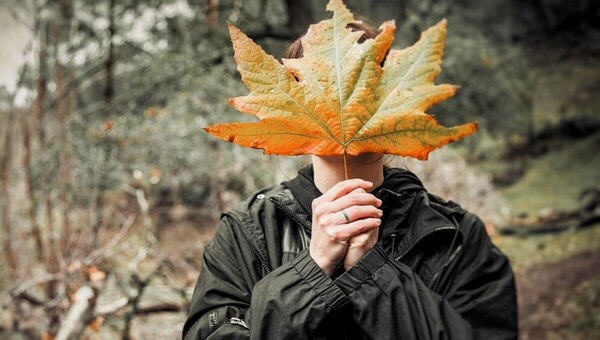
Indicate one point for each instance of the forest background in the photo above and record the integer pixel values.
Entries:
(109, 189)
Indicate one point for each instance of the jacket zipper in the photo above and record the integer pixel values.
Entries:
(450, 258)
(393, 236)
(420, 238)
(438, 273)
(232, 321)
(212, 318)
(263, 262)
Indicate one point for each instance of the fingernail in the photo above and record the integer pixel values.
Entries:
(380, 212)
(378, 221)
(379, 202)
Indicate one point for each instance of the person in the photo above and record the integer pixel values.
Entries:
(372, 257)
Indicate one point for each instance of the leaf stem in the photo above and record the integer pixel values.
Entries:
(345, 165)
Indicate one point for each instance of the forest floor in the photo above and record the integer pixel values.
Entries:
(557, 273)
(558, 283)
(561, 300)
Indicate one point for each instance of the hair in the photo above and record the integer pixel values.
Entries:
(295, 50)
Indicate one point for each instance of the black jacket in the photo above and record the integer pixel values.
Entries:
(433, 275)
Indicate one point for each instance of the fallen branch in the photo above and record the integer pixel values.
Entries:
(79, 314)
(112, 307)
(159, 308)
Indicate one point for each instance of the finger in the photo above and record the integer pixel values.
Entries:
(357, 190)
(367, 236)
(363, 240)
(356, 212)
(345, 232)
(344, 187)
(351, 200)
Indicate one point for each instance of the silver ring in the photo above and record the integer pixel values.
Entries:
(345, 215)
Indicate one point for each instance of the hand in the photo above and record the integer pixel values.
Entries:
(331, 231)
(360, 244)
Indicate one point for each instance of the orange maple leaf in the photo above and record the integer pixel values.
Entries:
(341, 97)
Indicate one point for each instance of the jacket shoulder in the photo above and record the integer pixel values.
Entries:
(254, 221)
(256, 202)
(471, 225)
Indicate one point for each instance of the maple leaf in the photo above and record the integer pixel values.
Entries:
(342, 96)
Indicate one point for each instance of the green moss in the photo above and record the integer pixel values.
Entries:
(526, 251)
(557, 179)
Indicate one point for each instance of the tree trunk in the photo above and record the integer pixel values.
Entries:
(212, 13)
(64, 168)
(109, 91)
(42, 30)
(36, 231)
(30, 128)
(9, 253)
(59, 248)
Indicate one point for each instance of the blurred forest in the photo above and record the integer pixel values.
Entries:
(109, 188)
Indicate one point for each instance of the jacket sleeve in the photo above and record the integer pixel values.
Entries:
(391, 302)
(231, 301)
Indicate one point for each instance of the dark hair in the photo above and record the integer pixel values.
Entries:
(295, 50)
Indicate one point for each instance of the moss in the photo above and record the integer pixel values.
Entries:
(557, 179)
(527, 251)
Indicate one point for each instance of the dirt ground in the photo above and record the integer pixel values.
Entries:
(561, 300)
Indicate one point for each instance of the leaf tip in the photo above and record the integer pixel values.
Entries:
(210, 130)
(443, 23)
(390, 24)
(473, 127)
(334, 5)
(231, 101)
(465, 130)
(234, 32)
